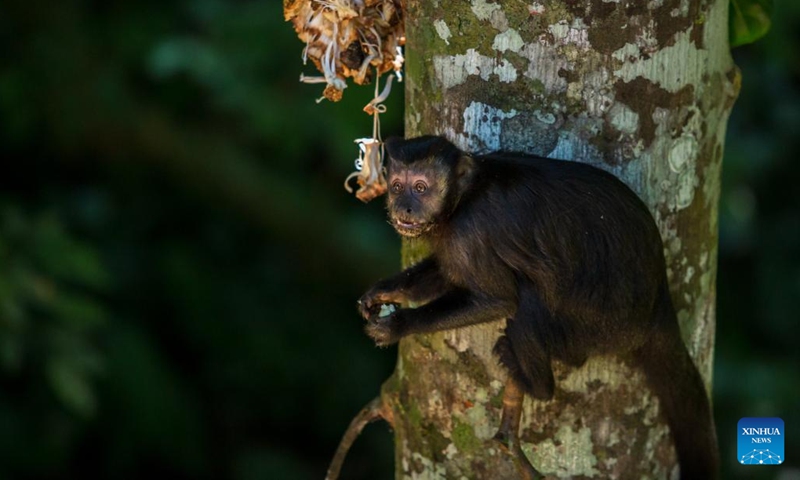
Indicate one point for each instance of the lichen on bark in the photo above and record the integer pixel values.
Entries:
(640, 89)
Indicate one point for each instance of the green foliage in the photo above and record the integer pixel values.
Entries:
(178, 259)
(759, 247)
(749, 20)
(51, 311)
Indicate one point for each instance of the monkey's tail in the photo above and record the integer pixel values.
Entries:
(673, 377)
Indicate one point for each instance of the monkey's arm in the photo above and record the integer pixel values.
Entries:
(456, 308)
(419, 283)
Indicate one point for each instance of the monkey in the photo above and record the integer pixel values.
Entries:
(565, 252)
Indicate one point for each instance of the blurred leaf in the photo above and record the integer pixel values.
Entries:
(70, 383)
(48, 313)
(12, 316)
(16, 117)
(198, 59)
(11, 352)
(157, 410)
(66, 258)
(749, 20)
(78, 312)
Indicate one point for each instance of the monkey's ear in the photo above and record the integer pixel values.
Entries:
(465, 171)
(393, 145)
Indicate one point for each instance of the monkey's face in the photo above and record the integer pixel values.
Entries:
(417, 194)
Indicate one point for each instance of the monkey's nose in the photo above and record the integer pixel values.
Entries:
(408, 210)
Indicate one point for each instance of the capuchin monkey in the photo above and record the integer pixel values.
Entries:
(565, 252)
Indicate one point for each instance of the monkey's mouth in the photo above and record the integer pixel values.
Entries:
(408, 228)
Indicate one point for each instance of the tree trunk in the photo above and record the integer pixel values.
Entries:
(641, 89)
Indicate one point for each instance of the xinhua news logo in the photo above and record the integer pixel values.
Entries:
(760, 441)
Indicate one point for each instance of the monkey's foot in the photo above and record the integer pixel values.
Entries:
(510, 445)
(507, 435)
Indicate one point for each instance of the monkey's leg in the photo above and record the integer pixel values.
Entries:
(526, 356)
(530, 337)
(508, 433)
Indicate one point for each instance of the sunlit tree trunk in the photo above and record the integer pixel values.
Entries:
(642, 89)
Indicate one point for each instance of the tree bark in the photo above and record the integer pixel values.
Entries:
(641, 89)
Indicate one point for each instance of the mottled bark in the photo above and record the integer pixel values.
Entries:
(642, 89)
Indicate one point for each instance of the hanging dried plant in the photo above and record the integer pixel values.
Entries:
(369, 170)
(348, 39)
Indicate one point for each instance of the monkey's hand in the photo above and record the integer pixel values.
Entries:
(385, 330)
(369, 304)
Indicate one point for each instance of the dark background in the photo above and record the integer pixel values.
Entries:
(179, 262)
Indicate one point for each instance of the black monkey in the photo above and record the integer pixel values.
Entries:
(566, 252)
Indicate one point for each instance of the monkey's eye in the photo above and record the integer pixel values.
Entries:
(397, 187)
(420, 187)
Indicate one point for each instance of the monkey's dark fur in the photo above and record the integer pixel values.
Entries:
(566, 252)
